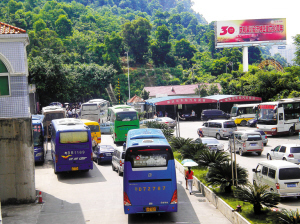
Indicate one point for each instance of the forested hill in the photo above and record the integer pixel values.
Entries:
(77, 48)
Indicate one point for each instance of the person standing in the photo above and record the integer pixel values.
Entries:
(189, 175)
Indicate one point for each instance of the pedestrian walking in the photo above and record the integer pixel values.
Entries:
(189, 176)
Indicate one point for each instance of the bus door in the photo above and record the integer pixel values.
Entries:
(281, 120)
(73, 151)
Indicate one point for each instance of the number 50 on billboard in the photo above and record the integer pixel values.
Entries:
(236, 33)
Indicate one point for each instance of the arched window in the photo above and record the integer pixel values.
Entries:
(4, 80)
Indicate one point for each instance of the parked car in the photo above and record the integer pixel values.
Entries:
(246, 141)
(214, 114)
(263, 136)
(211, 143)
(252, 122)
(187, 115)
(217, 128)
(282, 177)
(166, 120)
(103, 153)
(105, 128)
(117, 162)
(288, 152)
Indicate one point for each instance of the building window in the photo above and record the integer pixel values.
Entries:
(4, 81)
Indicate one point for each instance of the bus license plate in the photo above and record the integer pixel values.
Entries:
(150, 209)
(74, 168)
(291, 185)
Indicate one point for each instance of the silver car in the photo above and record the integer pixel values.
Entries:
(166, 120)
(211, 143)
(288, 152)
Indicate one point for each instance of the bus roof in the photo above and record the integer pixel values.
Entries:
(36, 122)
(52, 108)
(89, 122)
(97, 100)
(66, 124)
(37, 117)
(121, 106)
(145, 136)
(122, 109)
(246, 105)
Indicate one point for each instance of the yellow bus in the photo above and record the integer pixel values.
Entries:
(241, 113)
(95, 131)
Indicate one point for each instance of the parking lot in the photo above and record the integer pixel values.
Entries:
(188, 129)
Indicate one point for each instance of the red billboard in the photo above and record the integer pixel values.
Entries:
(235, 33)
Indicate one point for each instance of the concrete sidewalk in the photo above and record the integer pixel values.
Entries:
(205, 211)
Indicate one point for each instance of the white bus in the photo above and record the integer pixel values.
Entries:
(279, 117)
(241, 113)
(51, 113)
(95, 110)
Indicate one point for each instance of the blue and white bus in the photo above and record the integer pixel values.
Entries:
(39, 143)
(149, 180)
(71, 145)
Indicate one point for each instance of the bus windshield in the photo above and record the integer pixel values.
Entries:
(155, 156)
(37, 135)
(73, 137)
(126, 116)
(267, 114)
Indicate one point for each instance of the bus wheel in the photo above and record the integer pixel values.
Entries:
(291, 131)
(243, 123)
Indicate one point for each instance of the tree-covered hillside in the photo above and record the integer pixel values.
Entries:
(78, 47)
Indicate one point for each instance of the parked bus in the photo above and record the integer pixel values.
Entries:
(149, 179)
(241, 113)
(71, 145)
(123, 118)
(280, 117)
(95, 110)
(39, 143)
(50, 113)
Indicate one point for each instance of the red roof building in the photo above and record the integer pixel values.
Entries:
(177, 90)
(9, 29)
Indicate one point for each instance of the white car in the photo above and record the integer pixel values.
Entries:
(288, 152)
(166, 120)
(211, 143)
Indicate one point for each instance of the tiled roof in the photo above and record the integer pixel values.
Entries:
(176, 90)
(135, 99)
(8, 29)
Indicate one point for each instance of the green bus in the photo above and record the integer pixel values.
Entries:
(122, 119)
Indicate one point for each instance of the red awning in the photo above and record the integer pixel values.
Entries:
(185, 101)
(240, 99)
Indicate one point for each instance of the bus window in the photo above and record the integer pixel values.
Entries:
(126, 116)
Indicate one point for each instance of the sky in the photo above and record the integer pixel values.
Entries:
(218, 10)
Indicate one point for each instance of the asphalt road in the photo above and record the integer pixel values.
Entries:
(97, 197)
(249, 161)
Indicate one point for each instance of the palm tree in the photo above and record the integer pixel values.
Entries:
(221, 174)
(257, 195)
(168, 132)
(289, 216)
(190, 150)
(207, 157)
(177, 142)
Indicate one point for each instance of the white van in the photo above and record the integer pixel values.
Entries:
(282, 177)
(117, 161)
(246, 141)
(217, 128)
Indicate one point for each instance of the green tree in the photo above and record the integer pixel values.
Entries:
(136, 37)
(39, 25)
(178, 142)
(63, 26)
(288, 216)
(184, 49)
(113, 44)
(207, 157)
(257, 195)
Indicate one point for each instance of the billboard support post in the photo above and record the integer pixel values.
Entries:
(245, 59)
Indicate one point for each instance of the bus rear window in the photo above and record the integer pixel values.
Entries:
(73, 137)
(94, 128)
(289, 173)
(154, 157)
(126, 116)
(52, 116)
(89, 107)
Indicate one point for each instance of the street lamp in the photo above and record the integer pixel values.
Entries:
(128, 75)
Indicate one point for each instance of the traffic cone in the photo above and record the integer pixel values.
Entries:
(40, 198)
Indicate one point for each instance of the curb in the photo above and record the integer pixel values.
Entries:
(0, 213)
(221, 205)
